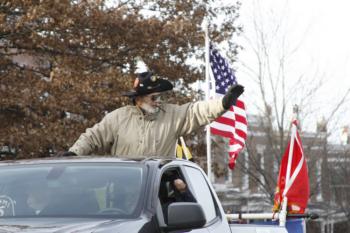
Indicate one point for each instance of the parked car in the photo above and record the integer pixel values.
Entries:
(105, 194)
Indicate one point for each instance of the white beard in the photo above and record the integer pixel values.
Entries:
(149, 109)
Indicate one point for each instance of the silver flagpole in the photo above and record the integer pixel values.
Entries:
(207, 95)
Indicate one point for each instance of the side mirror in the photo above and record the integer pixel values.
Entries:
(185, 216)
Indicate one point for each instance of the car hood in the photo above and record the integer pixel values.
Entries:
(61, 225)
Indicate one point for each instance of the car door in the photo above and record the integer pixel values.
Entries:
(165, 192)
(204, 195)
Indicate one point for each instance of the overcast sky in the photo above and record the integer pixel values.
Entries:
(320, 29)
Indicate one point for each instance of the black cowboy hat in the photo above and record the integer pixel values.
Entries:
(147, 83)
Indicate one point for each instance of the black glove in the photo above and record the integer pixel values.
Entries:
(232, 95)
(65, 153)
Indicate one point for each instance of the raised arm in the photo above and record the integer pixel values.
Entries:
(195, 115)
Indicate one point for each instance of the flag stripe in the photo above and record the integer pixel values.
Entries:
(241, 135)
(298, 168)
(240, 104)
(239, 111)
(235, 147)
(241, 126)
(223, 127)
(225, 121)
(242, 119)
(221, 133)
(229, 114)
(239, 139)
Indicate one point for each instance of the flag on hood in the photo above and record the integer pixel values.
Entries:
(297, 188)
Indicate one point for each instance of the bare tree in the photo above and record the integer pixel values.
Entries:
(279, 86)
(64, 64)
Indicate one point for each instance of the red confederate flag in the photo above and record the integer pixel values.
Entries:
(297, 188)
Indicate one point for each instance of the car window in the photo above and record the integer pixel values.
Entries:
(77, 189)
(202, 192)
(168, 193)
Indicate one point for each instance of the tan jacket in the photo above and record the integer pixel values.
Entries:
(126, 132)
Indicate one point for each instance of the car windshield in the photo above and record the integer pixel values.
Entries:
(74, 190)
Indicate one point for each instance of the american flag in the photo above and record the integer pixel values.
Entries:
(233, 123)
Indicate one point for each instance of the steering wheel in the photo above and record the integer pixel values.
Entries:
(112, 211)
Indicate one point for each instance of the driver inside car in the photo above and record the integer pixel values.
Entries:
(173, 190)
(38, 200)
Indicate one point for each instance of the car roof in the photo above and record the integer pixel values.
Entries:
(154, 161)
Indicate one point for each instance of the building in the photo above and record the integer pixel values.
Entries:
(250, 186)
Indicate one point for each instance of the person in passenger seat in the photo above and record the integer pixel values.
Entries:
(181, 192)
(176, 191)
(37, 200)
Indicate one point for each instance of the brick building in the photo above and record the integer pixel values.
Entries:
(250, 186)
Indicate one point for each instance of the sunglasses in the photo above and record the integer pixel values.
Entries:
(156, 97)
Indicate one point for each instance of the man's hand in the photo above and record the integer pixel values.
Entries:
(180, 185)
(232, 95)
(65, 153)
